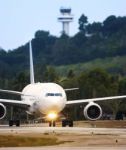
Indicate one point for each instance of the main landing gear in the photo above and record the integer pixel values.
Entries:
(67, 122)
(14, 122)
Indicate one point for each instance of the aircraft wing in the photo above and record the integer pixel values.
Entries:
(71, 89)
(14, 102)
(11, 92)
(94, 99)
(14, 92)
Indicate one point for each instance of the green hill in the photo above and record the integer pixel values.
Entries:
(114, 65)
(95, 45)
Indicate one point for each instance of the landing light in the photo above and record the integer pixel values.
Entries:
(52, 116)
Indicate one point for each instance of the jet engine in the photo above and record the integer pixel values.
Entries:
(92, 111)
(2, 111)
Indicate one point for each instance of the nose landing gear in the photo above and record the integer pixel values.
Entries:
(52, 123)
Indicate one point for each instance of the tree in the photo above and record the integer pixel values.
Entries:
(60, 52)
(41, 34)
(122, 91)
(95, 83)
(95, 27)
(70, 74)
(109, 25)
(40, 70)
(21, 81)
(122, 86)
(83, 20)
(50, 75)
(79, 39)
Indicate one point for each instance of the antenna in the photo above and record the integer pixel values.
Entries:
(31, 64)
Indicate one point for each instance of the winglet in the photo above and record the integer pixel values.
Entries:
(31, 64)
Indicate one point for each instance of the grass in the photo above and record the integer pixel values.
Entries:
(23, 141)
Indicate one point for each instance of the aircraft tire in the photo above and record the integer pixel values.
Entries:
(11, 123)
(70, 123)
(54, 123)
(17, 123)
(63, 123)
(50, 123)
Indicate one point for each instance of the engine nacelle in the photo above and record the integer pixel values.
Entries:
(92, 111)
(2, 111)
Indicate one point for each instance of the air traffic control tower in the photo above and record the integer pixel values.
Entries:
(65, 19)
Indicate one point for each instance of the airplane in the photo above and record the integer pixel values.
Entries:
(49, 99)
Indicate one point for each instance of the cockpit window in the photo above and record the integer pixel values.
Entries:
(58, 94)
(50, 94)
(53, 94)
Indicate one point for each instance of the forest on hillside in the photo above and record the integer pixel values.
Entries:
(95, 41)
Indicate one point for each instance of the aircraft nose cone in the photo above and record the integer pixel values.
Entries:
(56, 104)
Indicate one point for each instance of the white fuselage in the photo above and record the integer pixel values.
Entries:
(44, 97)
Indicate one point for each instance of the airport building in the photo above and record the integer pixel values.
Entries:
(65, 18)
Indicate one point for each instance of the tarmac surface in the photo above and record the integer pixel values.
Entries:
(66, 148)
(80, 138)
(70, 130)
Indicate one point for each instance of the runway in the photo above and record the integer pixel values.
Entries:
(77, 138)
(70, 130)
(66, 148)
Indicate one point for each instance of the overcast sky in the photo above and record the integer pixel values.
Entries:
(20, 19)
